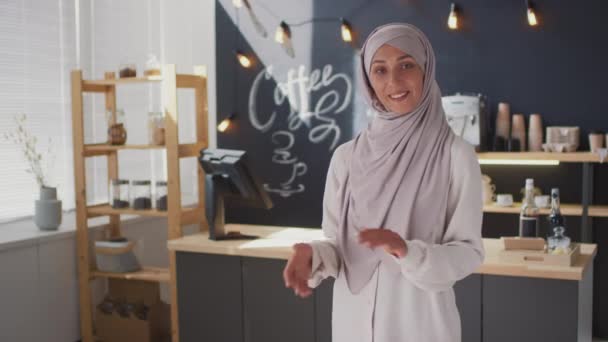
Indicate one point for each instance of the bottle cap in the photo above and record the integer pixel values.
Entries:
(529, 183)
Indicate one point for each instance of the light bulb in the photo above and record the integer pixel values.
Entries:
(223, 126)
(453, 18)
(237, 3)
(531, 15)
(243, 60)
(346, 31)
(282, 33)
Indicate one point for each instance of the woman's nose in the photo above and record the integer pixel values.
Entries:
(394, 79)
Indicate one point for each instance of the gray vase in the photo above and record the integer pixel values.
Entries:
(48, 209)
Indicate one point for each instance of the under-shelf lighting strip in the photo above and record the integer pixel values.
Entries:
(518, 162)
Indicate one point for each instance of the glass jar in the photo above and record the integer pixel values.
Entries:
(117, 134)
(119, 193)
(558, 243)
(161, 195)
(152, 66)
(156, 128)
(127, 70)
(141, 195)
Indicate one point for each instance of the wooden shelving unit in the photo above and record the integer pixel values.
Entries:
(566, 157)
(566, 209)
(585, 210)
(176, 214)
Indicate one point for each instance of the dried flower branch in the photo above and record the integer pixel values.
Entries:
(27, 142)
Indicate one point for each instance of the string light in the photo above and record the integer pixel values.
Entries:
(282, 33)
(346, 31)
(237, 3)
(225, 124)
(531, 14)
(453, 17)
(283, 37)
(243, 59)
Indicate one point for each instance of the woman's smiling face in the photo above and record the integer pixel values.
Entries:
(397, 79)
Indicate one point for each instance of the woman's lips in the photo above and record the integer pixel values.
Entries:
(399, 97)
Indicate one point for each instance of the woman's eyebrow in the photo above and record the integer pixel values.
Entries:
(402, 57)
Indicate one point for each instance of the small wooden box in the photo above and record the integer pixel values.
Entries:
(539, 257)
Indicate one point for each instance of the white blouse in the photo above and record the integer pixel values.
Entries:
(409, 299)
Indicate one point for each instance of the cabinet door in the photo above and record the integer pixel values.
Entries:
(209, 297)
(529, 309)
(468, 299)
(272, 312)
(324, 294)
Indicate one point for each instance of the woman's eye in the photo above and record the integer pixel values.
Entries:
(379, 71)
(407, 65)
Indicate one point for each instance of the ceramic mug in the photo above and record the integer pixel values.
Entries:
(543, 201)
(504, 200)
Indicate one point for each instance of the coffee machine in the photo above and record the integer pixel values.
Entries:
(467, 115)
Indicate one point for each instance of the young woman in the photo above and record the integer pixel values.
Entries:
(402, 207)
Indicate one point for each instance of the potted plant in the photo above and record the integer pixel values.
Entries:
(47, 213)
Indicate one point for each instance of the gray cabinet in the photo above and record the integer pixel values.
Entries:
(533, 309)
(209, 297)
(271, 311)
(243, 299)
(468, 300)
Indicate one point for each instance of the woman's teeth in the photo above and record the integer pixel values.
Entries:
(399, 96)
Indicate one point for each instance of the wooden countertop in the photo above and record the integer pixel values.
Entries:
(276, 242)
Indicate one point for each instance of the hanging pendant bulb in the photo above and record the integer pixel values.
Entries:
(453, 17)
(237, 3)
(531, 14)
(225, 124)
(346, 31)
(281, 33)
(283, 37)
(243, 59)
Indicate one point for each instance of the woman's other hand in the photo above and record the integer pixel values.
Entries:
(298, 270)
(385, 238)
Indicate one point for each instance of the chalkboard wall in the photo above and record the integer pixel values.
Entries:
(557, 69)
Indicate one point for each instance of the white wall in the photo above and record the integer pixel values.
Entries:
(178, 32)
(39, 290)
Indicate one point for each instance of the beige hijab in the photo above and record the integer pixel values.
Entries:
(399, 170)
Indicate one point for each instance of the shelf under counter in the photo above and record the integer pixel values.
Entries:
(566, 209)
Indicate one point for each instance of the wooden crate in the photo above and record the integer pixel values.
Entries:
(539, 257)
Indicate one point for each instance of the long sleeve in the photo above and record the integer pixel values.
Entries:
(436, 267)
(326, 258)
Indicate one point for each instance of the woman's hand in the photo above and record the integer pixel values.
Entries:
(385, 238)
(298, 270)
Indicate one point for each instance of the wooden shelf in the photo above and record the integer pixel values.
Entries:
(184, 150)
(100, 86)
(105, 209)
(155, 274)
(127, 80)
(567, 210)
(566, 157)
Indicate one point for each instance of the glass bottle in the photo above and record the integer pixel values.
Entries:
(529, 215)
(556, 219)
